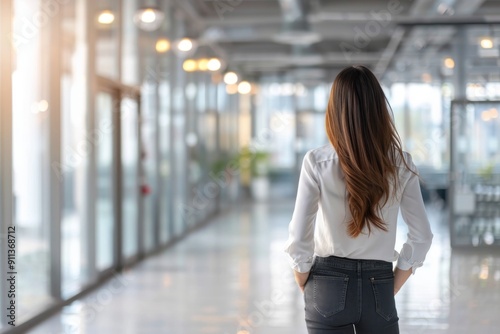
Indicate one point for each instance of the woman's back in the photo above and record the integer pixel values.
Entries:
(331, 235)
(343, 229)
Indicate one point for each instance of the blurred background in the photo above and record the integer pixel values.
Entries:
(150, 150)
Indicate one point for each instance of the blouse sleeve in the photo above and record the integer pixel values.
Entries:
(300, 245)
(419, 239)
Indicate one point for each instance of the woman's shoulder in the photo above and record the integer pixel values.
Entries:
(322, 153)
(405, 161)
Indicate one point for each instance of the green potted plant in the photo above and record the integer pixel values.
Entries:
(259, 184)
(253, 172)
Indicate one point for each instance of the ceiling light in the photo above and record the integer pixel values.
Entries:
(39, 107)
(162, 45)
(185, 45)
(106, 17)
(149, 19)
(244, 87)
(43, 106)
(449, 63)
(203, 64)
(214, 64)
(148, 16)
(486, 43)
(189, 65)
(230, 78)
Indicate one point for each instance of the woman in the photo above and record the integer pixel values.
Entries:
(343, 229)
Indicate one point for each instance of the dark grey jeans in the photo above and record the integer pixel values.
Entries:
(342, 294)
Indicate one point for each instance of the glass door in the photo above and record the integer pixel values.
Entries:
(105, 227)
(149, 164)
(130, 153)
(117, 197)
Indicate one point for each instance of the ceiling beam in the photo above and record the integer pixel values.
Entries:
(194, 18)
(448, 20)
(287, 59)
(389, 52)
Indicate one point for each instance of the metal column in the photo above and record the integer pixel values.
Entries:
(88, 8)
(52, 68)
(456, 111)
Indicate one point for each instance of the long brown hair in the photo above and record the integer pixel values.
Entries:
(361, 130)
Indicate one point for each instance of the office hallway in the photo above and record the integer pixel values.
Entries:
(232, 277)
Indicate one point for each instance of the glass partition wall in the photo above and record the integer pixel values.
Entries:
(94, 125)
(475, 174)
(31, 113)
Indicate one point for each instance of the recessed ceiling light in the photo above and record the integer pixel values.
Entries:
(214, 64)
(486, 43)
(189, 65)
(230, 78)
(106, 17)
(449, 63)
(149, 18)
(244, 87)
(162, 45)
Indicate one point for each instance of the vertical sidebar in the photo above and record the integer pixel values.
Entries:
(6, 203)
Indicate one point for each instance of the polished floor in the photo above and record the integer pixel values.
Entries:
(232, 277)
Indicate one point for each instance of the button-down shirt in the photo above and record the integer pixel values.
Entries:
(321, 215)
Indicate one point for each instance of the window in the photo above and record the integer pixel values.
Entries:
(104, 183)
(130, 175)
(72, 171)
(30, 162)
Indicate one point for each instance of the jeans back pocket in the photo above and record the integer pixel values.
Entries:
(383, 289)
(330, 293)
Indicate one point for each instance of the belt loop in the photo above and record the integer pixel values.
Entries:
(359, 267)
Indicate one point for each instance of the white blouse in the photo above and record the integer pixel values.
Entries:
(319, 221)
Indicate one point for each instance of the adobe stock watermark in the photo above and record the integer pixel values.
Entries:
(74, 156)
(154, 76)
(156, 73)
(420, 154)
(428, 316)
(223, 6)
(423, 149)
(267, 309)
(210, 190)
(28, 27)
(371, 29)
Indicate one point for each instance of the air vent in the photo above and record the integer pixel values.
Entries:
(296, 28)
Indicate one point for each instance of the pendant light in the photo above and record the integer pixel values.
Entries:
(149, 16)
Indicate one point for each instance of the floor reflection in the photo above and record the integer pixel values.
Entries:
(232, 277)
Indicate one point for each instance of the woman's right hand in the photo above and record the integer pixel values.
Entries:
(400, 277)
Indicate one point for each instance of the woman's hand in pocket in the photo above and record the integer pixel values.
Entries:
(301, 279)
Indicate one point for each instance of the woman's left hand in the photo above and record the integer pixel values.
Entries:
(301, 279)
